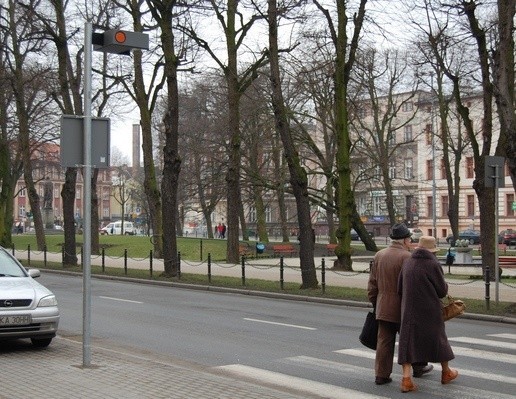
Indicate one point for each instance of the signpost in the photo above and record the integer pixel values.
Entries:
(493, 177)
(113, 41)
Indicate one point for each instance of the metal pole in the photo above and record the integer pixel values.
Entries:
(434, 195)
(497, 265)
(86, 320)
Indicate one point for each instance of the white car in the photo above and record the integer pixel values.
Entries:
(116, 228)
(27, 308)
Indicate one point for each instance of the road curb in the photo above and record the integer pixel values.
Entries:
(273, 295)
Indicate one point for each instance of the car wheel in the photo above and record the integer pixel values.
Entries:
(472, 241)
(41, 342)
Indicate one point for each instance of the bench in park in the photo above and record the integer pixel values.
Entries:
(507, 261)
(501, 248)
(281, 249)
(330, 249)
(245, 250)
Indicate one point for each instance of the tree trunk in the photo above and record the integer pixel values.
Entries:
(163, 14)
(298, 178)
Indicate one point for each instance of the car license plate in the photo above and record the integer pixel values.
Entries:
(19, 320)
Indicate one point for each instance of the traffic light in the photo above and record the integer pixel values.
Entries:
(118, 41)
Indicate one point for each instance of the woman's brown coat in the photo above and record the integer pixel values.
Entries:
(422, 333)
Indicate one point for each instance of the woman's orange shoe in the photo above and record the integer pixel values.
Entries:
(448, 376)
(407, 385)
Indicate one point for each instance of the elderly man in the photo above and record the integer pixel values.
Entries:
(382, 291)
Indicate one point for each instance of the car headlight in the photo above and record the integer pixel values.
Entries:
(49, 300)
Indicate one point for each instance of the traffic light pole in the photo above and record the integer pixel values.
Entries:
(86, 232)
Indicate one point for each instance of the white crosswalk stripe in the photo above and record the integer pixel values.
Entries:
(485, 342)
(287, 381)
(360, 376)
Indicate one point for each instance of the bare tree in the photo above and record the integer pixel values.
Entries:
(235, 29)
(164, 13)
(503, 80)
(345, 56)
(298, 178)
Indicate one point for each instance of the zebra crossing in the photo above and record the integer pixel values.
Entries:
(487, 370)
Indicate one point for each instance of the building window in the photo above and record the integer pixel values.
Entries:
(443, 169)
(470, 205)
(105, 212)
(268, 214)
(445, 206)
(392, 169)
(22, 193)
(509, 211)
(56, 191)
(429, 169)
(407, 106)
(392, 138)
(408, 132)
(377, 173)
(252, 214)
(409, 169)
(428, 134)
(430, 206)
(470, 168)
(21, 211)
(78, 193)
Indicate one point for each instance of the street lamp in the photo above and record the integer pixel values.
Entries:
(116, 42)
(432, 132)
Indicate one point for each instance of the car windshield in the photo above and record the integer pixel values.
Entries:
(8, 267)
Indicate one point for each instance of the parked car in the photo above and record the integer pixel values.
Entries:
(116, 228)
(473, 236)
(27, 308)
(507, 237)
(415, 234)
(356, 237)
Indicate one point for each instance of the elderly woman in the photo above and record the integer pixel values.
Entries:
(423, 338)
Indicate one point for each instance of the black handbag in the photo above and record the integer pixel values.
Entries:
(369, 334)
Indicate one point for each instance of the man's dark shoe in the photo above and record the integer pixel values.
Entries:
(382, 380)
(420, 370)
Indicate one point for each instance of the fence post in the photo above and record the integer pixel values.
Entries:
(323, 276)
(14, 251)
(103, 259)
(82, 258)
(243, 270)
(62, 255)
(281, 275)
(179, 265)
(45, 255)
(200, 250)
(125, 261)
(150, 262)
(488, 278)
(28, 254)
(209, 268)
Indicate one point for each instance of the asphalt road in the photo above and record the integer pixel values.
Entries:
(274, 339)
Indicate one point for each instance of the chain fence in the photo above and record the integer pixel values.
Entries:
(281, 266)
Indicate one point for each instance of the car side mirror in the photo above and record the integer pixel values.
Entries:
(34, 273)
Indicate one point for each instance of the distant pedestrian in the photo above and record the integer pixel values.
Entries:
(223, 231)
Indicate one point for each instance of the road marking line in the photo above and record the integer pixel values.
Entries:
(485, 342)
(118, 299)
(300, 384)
(470, 373)
(508, 336)
(280, 324)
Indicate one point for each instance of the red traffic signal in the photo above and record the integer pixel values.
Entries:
(118, 41)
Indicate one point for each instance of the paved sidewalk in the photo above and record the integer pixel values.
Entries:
(118, 373)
